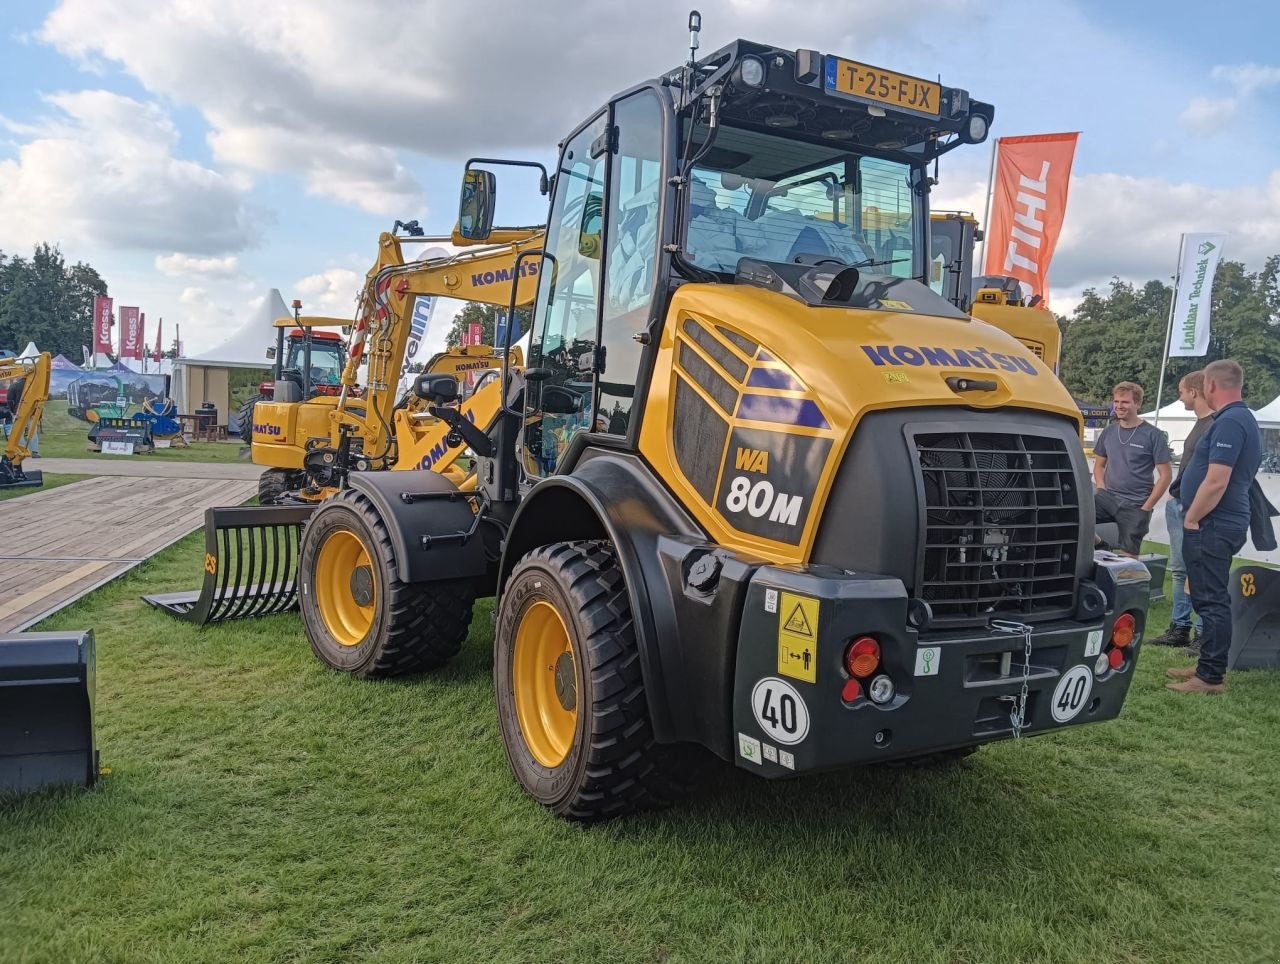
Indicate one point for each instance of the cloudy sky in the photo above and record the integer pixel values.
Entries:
(199, 153)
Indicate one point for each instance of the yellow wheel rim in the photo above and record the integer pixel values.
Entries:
(345, 587)
(545, 683)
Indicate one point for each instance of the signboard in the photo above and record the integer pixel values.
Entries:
(421, 318)
(116, 447)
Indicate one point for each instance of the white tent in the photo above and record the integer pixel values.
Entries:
(1174, 420)
(31, 351)
(205, 377)
(1269, 415)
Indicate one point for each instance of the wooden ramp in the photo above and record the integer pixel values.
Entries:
(55, 546)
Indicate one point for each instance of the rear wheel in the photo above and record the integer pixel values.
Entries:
(275, 484)
(361, 619)
(245, 416)
(571, 702)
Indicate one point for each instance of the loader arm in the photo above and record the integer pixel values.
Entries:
(26, 415)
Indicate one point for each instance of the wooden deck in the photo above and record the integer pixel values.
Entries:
(55, 546)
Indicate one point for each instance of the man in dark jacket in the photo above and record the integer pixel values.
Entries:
(1216, 513)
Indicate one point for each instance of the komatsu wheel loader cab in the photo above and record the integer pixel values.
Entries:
(760, 489)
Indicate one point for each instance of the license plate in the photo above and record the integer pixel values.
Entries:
(883, 87)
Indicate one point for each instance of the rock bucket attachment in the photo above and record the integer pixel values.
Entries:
(250, 561)
(46, 710)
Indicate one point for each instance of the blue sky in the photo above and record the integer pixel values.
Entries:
(201, 154)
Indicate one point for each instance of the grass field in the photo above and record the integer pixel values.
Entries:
(51, 481)
(261, 808)
(65, 437)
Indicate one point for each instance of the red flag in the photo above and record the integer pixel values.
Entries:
(159, 352)
(130, 342)
(101, 325)
(1030, 201)
(477, 333)
(142, 337)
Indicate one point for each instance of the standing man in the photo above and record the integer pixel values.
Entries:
(1191, 394)
(1215, 522)
(1126, 455)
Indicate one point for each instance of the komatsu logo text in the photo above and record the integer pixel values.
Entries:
(482, 278)
(948, 358)
(262, 428)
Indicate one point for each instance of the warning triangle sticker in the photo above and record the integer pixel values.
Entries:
(797, 623)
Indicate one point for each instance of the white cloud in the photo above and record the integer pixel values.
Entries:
(103, 168)
(1247, 78)
(179, 265)
(1129, 226)
(1208, 115)
(331, 292)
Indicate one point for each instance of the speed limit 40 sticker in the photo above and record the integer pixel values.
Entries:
(780, 710)
(1072, 693)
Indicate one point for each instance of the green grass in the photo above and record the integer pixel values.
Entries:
(66, 437)
(51, 481)
(262, 808)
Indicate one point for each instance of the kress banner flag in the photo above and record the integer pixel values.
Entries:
(101, 325)
(1189, 329)
(1032, 176)
(130, 334)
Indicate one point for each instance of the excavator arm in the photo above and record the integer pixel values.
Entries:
(28, 391)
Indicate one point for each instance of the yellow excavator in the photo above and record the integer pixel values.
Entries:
(996, 300)
(759, 489)
(309, 446)
(26, 383)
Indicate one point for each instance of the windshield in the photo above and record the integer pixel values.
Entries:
(769, 197)
(326, 360)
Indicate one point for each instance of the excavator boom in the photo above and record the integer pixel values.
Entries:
(28, 391)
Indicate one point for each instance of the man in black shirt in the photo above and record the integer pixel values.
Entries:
(1191, 393)
(1126, 455)
(1215, 523)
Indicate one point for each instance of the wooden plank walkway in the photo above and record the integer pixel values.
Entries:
(58, 545)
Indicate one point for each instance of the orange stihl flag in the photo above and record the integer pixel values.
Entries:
(1029, 202)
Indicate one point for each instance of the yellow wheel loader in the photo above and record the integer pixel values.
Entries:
(26, 389)
(759, 488)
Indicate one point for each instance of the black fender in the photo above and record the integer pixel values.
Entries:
(614, 495)
(431, 524)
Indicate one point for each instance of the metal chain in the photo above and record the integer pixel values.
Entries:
(1018, 715)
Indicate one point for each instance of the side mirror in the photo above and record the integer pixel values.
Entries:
(475, 207)
(271, 351)
(440, 389)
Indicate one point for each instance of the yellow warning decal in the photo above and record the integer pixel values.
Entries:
(898, 305)
(798, 637)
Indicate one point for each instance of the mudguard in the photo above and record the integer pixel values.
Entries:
(433, 526)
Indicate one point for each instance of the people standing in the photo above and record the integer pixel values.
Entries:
(1191, 394)
(1215, 504)
(1127, 455)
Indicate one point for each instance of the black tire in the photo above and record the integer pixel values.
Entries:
(245, 415)
(415, 626)
(613, 766)
(275, 484)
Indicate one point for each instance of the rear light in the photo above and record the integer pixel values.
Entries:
(862, 658)
(850, 691)
(1102, 663)
(1125, 629)
(1116, 658)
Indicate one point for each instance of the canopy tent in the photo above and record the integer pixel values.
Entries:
(1268, 415)
(206, 377)
(31, 351)
(60, 363)
(1175, 421)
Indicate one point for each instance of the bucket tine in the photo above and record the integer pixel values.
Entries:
(240, 541)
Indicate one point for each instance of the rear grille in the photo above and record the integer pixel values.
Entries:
(1037, 347)
(1002, 525)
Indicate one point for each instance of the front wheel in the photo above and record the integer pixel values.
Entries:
(359, 616)
(571, 702)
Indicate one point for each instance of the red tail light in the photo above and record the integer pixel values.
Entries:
(862, 657)
(1115, 657)
(1125, 629)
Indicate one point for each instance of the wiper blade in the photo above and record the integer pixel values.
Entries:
(875, 264)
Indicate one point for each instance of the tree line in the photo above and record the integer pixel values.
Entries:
(1118, 335)
(45, 300)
